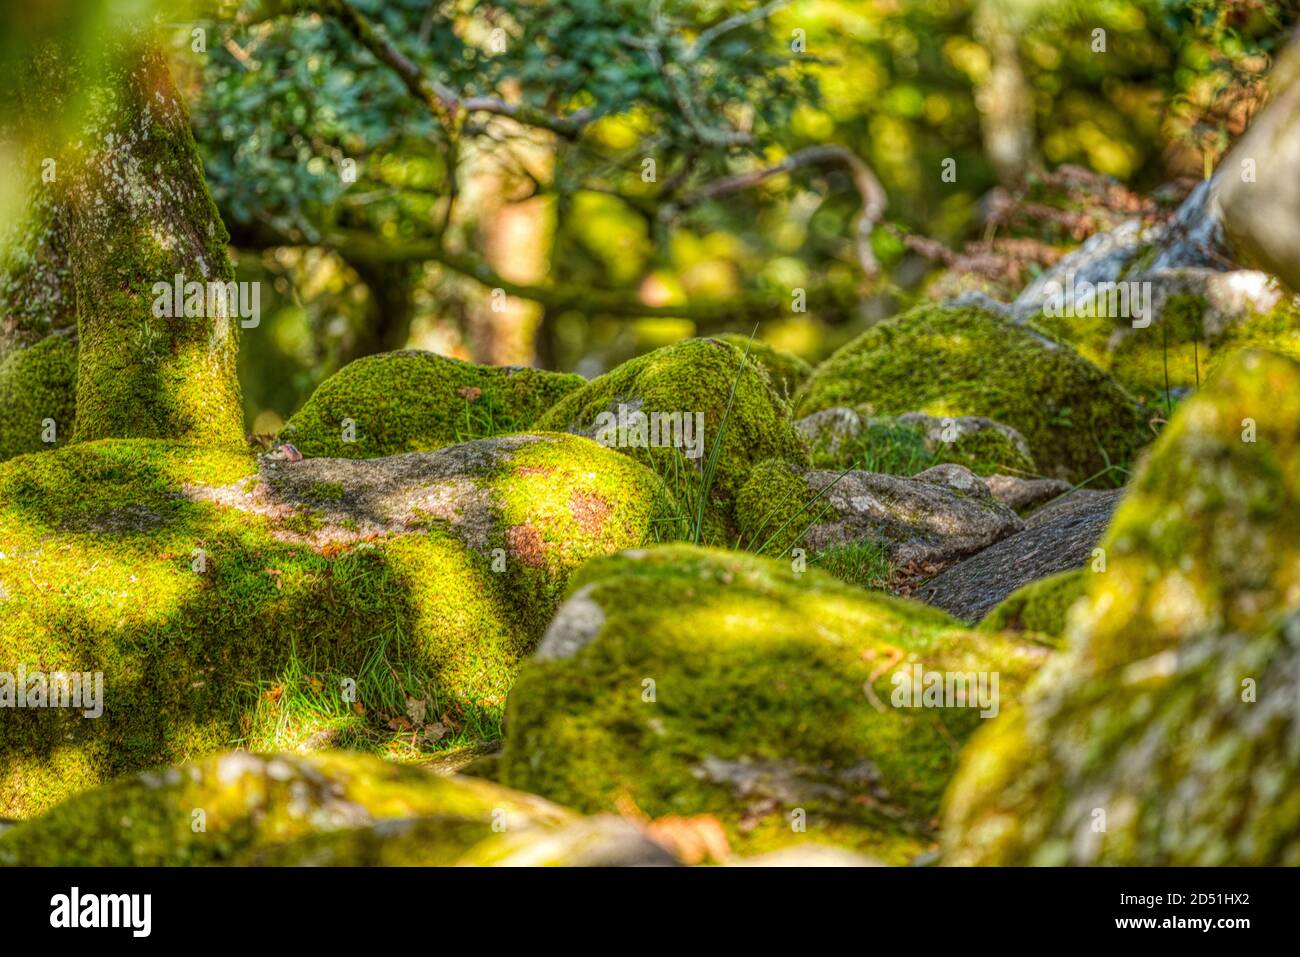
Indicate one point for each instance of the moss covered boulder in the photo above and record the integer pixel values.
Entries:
(950, 362)
(38, 393)
(377, 604)
(330, 808)
(414, 401)
(689, 682)
(1166, 732)
(786, 370)
(698, 412)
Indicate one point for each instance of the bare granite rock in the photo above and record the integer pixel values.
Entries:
(942, 514)
(1058, 537)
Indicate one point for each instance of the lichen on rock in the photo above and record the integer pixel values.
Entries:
(941, 514)
(720, 683)
(416, 401)
(1171, 717)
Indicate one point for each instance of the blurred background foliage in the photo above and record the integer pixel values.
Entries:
(377, 222)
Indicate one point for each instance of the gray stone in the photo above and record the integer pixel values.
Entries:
(1021, 493)
(1057, 538)
(941, 515)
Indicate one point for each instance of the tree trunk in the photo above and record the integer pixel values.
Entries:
(139, 215)
(1004, 99)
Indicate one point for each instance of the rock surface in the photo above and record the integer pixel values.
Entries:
(1057, 538)
(941, 514)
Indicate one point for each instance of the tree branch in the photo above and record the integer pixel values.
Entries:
(871, 193)
(361, 247)
(441, 99)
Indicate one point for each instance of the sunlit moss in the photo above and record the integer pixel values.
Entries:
(215, 626)
(726, 684)
(240, 808)
(745, 419)
(37, 384)
(949, 362)
(413, 401)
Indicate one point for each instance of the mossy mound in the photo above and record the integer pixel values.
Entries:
(237, 808)
(38, 383)
(786, 370)
(744, 418)
(691, 681)
(288, 606)
(1165, 733)
(414, 401)
(1040, 607)
(964, 361)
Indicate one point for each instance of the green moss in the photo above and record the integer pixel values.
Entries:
(775, 508)
(1040, 607)
(949, 362)
(413, 401)
(745, 419)
(786, 370)
(215, 626)
(905, 448)
(1169, 718)
(326, 491)
(726, 684)
(36, 384)
(240, 808)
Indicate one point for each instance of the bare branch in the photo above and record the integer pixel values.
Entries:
(731, 23)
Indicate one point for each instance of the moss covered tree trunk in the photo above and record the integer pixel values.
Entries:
(139, 214)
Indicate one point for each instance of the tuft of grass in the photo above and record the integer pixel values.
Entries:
(863, 563)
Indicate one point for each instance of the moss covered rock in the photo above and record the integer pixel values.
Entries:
(237, 808)
(840, 438)
(38, 384)
(1171, 716)
(415, 401)
(786, 370)
(939, 515)
(949, 362)
(1040, 607)
(379, 604)
(687, 681)
(699, 381)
